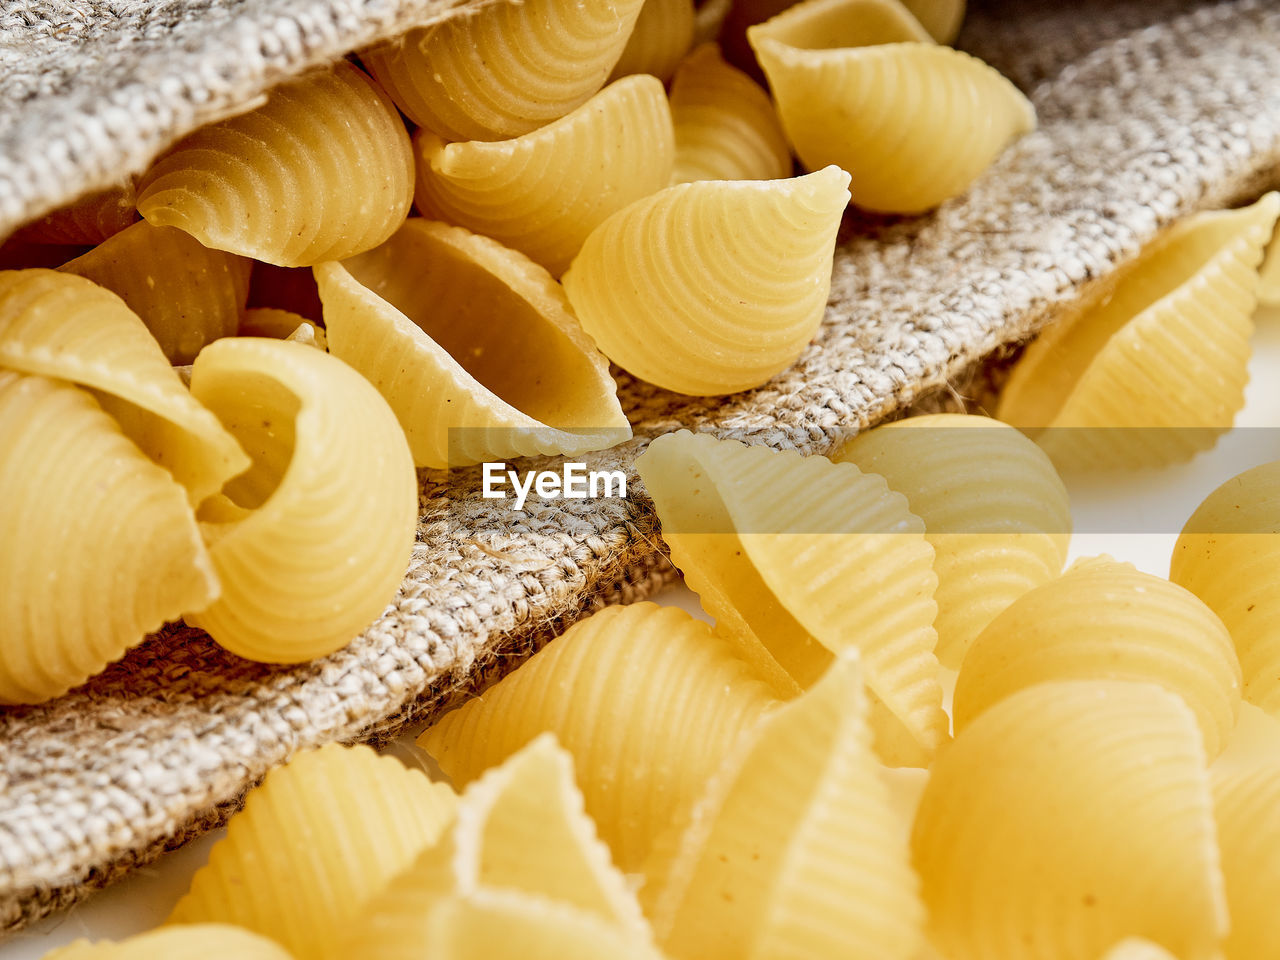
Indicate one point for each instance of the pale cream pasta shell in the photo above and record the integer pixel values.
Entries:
(282, 325)
(711, 287)
(1269, 276)
(90, 219)
(662, 35)
(206, 941)
(1247, 808)
(323, 170)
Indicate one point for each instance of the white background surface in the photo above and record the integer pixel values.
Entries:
(1107, 513)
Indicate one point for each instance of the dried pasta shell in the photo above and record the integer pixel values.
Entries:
(186, 294)
(942, 18)
(711, 287)
(1069, 816)
(314, 844)
(323, 170)
(1152, 368)
(798, 558)
(543, 193)
(1247, 808)
(725, 125)
(1269, 276)
(794, 850)
(662, 35)
(994, 509)
(282, 325)
(621, 691)
(64, 326)
(1136, 948)
(920, 122)
(89, 220)
(207, 941)
(474, 346)
(505, 70)
(312, 542)
(98, 545)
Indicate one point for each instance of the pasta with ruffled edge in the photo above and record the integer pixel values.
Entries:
(92, 218)
(662, 35)
(207, 941)
(1247, 809)
(323, 170)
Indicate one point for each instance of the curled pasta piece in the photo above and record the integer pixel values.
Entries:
(312, 542)
(774, 544)
(794, 850)
(186, 294)
(282, 325)
(662, 35)
(59, 325)
(621, 691)
(1151, 368)
(1247, 808)
(994, 509)
(543, 193)
(505, 70)
(1069, 816)
(207, 941)
(725, 125)
(1228, 555)
(314, 844)
(474, 346)
(942, 18)
(98, 545)
(920, 122)
(711, 287)
(323, 170)
(91, 219)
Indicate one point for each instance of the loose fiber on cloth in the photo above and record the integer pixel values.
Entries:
(1149, 110)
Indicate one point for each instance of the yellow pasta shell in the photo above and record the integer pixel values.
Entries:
(59, 325)
(314, 843)
(1247, 807)
(474, 346)
(942, 18)
(323, 170)
(795, 850)
(312, 543)
(918, 123)
(798, 558)
(506, 69)
(90, 219)
(1269, 276)
(98, 545)
(1136, 948)
(1069, 816)
(207, 941)
(711, 287)
(662, 35)
(186, 294)
(543, 193)
(994, 509)
(1162, 351)
(725, 125)
(282, 325)
(621, 691)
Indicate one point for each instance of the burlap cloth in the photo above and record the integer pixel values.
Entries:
(1149, 110)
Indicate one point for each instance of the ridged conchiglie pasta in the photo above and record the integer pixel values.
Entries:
(323, 170)
(506, 69)
(1229, 556)
(1067, 817)
(794, 851)
(622, 691)
(663, 34)
(312, 542)
(474, 346)
(544, 192)
(281, 325)
(207, 941)
(725, 125)
(91, 219)
(994, 509)
(798, 558)
(860, 84)
(1247, 808)
(942, 18)
(1161, 351)
(314, 844)
(186, 294)
(60, 325)
(711, 287)
(98, 545)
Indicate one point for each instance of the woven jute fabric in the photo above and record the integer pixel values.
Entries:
(1149, 110)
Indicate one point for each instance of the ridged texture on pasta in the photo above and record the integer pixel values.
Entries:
(59, 325)
(91, 219)
(505, 70)
(98, 545)
(711, 287)
(994, 509)
(623, 691)
(314, 844)
(1229, 556)
(919, 122)
(798, 558)
(1247, 807)
(543, 193)
(1162, 351)
(323, 170)
(310, 544)
(474, 346)
(795, 850)
(186, 294)
(725, 124)
(1067, 817)
(282, 325)
(663, 34)
(208, 941)
(942, 18)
